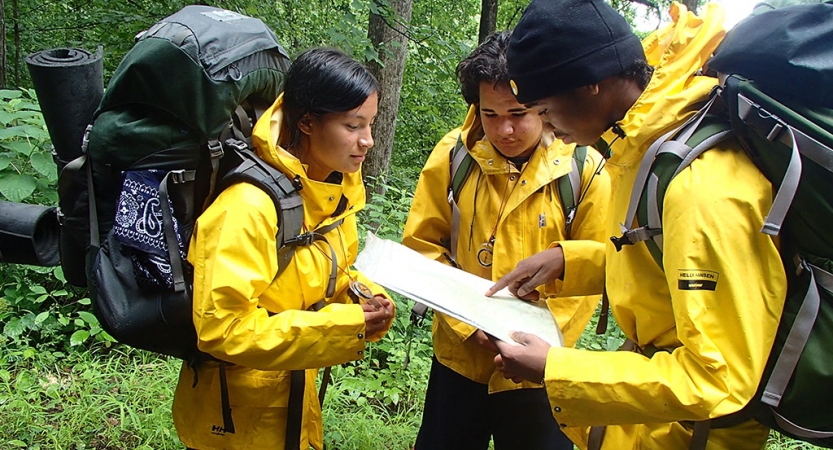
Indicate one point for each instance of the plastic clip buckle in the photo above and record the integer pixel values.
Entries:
(300, 240)
(236, 144)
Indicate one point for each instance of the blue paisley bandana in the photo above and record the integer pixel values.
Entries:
(140, 228)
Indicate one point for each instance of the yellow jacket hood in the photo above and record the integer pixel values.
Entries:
(676, 53)
(321, 199)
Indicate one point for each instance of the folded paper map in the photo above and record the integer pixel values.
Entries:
(454, 292)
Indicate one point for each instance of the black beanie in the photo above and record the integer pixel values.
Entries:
(560, 45)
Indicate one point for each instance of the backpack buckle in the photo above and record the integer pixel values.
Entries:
(305, 239)
(630, 237)
(216, 149)
(182, 176)
(236, 144)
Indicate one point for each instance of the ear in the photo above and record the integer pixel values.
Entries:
(593, 89)
(305, 124)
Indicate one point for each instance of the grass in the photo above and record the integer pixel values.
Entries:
(121, 399)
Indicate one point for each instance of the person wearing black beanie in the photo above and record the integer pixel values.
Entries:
(491, 193)
(703, 315)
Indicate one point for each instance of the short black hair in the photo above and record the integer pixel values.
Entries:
(486, 63)
(640, 72)
(323, 80)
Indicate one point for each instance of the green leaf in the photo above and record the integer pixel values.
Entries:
(14, 327)
(85, 301)
(17, 443)
(6, 117)
(88, 317)
(37, 289)
(78, 338)
(4, 162)
(22, 146)
(7, 94)
(5, 375)
(63, 320)
(17, 187)
(25, 130)
(42, 162)
(41, 317)
(59, 274)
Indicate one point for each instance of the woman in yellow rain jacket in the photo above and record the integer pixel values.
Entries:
(715, 337)
(509, 209)
(260, 325)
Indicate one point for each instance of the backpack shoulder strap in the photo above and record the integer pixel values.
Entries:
(569, 188)
(282, 191)
(461, 163)
(666, 158)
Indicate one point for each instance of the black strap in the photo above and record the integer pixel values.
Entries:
(595, 438)
(295, 410)
(325, 380)
(601, 327)
(228, 423)
(700, 435)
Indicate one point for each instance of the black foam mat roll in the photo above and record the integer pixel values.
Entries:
(28, 234)
(69, 84)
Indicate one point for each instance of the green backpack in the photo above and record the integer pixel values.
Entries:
(776, 69)
(172, 130)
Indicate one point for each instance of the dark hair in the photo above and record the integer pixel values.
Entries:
(486, 63)
(323, 80)
(640, 72)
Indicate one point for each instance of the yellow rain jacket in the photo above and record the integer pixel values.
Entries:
(259, 323)
(719, 338)
(532, 221)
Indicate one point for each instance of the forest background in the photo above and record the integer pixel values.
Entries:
(65, 384)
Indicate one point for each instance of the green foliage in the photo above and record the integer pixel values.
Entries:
(610, 340)
(440, 35)
(27, 172)
(112, 401)
(385, 214)
(37, 311)
(381, 390)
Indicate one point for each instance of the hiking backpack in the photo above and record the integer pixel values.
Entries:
(158, 147)
(172, 130)
(775, 98)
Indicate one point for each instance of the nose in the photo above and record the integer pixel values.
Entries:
(366, 141)
(507, 127)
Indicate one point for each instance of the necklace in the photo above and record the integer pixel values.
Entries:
(486, 252)
(356, 290)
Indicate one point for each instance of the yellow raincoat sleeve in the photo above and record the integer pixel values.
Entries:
(584, 253)
(723, 336)
(428, 228)
(234, 258)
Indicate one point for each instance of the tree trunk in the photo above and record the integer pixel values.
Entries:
(15, 16)
(388, 34)
(488, 19)
(692, 5)
(2, 44)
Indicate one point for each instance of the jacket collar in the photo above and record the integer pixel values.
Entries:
(321, 198)
(675, 91)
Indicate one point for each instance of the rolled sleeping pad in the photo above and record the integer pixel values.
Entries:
(69, 83)
(29, 234)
